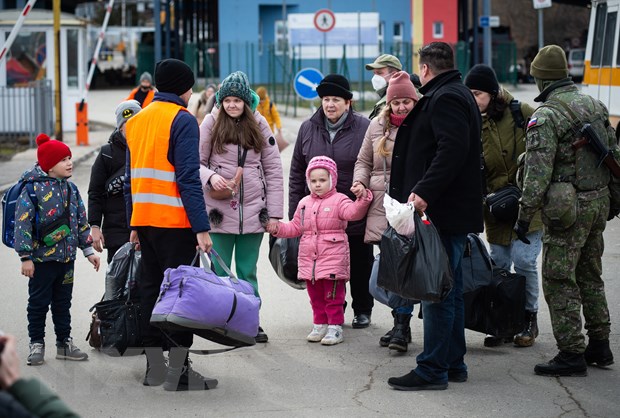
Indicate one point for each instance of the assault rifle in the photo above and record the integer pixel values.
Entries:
(589, 136)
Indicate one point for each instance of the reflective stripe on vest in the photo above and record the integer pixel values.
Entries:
(154, 191)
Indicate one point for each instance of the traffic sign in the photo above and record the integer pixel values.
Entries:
(489, 21)
(542, 4)
(324, 20)
(306, 82)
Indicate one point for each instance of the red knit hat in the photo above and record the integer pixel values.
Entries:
(325, 163)
(50, 152)
(401, 87)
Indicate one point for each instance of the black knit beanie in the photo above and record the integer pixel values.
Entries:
(482, 77)
(335, 85)
(173, 76)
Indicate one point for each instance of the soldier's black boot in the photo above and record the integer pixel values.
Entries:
(385, 340)
(402, 333)
(564, 364)
(527, 337)
(598, 353)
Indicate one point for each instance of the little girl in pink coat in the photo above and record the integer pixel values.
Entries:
(321, 219)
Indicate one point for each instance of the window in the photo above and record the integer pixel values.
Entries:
(380, 38)
(26, 60)
(398, 38)
(260, 38)
(608, 46)
(281, 38)
(599, 30)
(438, 30)
(72, 58)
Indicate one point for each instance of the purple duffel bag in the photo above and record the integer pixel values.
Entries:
(221, 309)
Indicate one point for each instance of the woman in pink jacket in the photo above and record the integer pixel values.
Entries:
(241, 173)
(372, 171)
(321, 219)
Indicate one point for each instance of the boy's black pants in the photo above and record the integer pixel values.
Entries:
(52, 285)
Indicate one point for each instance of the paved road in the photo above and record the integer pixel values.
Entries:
(290, 377)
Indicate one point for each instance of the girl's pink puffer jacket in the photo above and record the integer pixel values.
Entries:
(321, 223)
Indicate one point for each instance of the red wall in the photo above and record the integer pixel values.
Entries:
(445, 11)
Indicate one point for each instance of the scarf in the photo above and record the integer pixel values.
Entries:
(333, 128)
(397, 120)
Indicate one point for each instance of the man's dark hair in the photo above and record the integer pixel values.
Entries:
(438, 56)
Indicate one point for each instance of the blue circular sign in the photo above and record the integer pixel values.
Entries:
(306, 82)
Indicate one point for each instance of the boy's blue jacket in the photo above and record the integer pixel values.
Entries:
(52, 196)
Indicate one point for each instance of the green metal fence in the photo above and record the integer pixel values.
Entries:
(274, 69)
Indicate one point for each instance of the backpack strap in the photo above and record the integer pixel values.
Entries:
(29, 186)
(517, 113)
(519, 122)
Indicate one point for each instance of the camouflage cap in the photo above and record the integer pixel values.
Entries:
(385, 60)
(550, 64)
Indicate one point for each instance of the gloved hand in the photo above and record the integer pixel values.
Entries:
(613, 212)
(521, 228)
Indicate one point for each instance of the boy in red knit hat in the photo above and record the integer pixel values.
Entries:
(47, 235)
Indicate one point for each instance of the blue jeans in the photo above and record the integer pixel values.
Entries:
(523, 258)
(444, 323)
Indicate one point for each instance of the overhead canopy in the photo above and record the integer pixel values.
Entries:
(38, 17)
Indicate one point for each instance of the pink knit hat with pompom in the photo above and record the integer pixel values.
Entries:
(327, 164)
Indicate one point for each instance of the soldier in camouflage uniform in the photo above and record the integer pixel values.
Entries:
(573, 192)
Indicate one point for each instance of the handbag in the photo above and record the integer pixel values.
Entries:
(282, 143)
(283, 253)
(232, 186)
(115, 323)
(415, 268)
(93, 337)
(119, 327)
(504, 203)
(58, 229)
(221, 309)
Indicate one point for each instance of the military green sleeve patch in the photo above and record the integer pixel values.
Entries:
(532, 140)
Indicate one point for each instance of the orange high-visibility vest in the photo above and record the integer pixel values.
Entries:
(148, 99)
(154, 190)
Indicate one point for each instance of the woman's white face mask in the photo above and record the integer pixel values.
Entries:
(378, 82)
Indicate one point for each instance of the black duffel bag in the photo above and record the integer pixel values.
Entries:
(119, 327)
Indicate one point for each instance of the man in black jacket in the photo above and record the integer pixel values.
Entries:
(436, 165)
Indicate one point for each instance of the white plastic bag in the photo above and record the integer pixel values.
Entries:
(399, 216)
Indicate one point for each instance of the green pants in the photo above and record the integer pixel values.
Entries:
(246, 249)
(571, 271)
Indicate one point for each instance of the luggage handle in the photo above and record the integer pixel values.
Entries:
(215, 258)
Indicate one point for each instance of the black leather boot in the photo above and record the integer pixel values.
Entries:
(527, 337)
(598, 353)
(402, 333)
(385, 340)
(564, 364)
